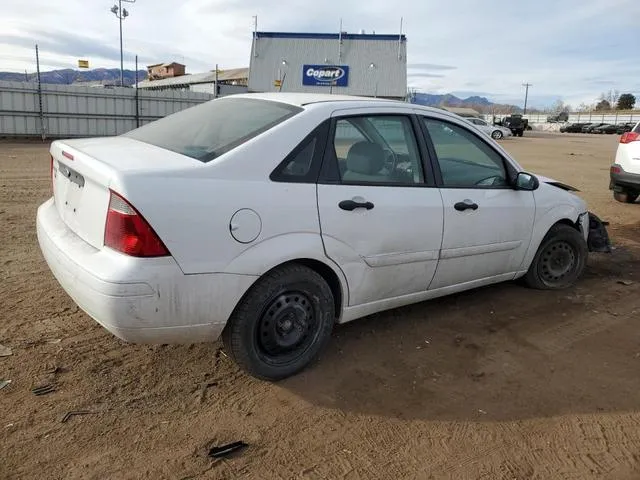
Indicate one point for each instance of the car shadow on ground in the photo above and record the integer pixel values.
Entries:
(499, 353)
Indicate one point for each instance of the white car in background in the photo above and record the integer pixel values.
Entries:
(625, 171)
(494, 131)
(268, 218)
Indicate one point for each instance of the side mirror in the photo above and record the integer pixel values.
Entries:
(526, 181)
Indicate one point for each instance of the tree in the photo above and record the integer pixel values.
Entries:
(583, 107)
(614, 97)
(611, 96)
(626, 101)
(603, 105)
(558, 106)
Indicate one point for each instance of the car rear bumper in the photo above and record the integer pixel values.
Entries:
(621, 178)
(138, 300)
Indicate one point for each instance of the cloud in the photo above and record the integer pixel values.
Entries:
(424, 75)
(429, 66)
(572, 49)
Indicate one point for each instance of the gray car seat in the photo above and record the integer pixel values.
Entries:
(364, 162)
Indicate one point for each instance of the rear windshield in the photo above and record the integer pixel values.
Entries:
(208, 130)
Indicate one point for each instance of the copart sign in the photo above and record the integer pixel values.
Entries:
(325, 75)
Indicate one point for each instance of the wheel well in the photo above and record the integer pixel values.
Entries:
(566, 221)
(327, 274)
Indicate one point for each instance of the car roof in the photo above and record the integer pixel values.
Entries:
(337, 101)
(302, 99)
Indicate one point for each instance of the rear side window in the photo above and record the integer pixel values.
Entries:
(637, 129)
(208, 130)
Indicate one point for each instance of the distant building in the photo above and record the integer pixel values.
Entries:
(462, 111)
(229, 81)
(372, 65)
(165, 70)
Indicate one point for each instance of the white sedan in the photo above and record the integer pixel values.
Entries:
(494, 131)
(268, 218)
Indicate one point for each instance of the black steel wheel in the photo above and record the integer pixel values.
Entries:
(556, 262)
(282, 324)
(286, 328)
(560, 259)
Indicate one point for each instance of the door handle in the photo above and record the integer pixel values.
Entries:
(350, 205)
(466, 205)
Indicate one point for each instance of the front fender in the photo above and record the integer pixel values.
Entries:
(543, 223)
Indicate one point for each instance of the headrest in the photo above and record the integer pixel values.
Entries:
(366, 158)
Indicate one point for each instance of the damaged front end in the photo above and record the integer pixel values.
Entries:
(598, 237)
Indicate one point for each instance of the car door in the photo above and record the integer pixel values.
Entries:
(487, 223)
(380, 213)
(482, 125)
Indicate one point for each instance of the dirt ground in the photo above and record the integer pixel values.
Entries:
(497, 383)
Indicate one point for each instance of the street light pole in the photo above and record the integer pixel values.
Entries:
(526, 96)
(121, 13)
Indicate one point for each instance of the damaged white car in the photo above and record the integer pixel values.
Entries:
(268, 218)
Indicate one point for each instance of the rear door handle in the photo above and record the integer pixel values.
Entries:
(466, 205)
(350, 205)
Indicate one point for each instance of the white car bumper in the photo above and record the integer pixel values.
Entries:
(138, 300)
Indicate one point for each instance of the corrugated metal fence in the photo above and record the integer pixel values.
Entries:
(582, 117)
(62, 111)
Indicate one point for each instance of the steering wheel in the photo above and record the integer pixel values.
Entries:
(390, 160)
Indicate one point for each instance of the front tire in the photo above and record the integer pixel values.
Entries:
(496, 135)
(282, 324)
(625, 197)
(560, 260)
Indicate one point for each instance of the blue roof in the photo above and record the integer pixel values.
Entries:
(331, 36)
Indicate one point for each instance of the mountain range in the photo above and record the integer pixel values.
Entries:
(108, 76)
(481, 104)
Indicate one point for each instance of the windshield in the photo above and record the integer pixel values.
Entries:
(210, 129)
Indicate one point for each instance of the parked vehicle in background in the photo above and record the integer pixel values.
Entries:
(494, 131)
(560, 117)
(625, 127)
(572, 127)
(625, 171)
(516, 123)
(268, 218)
(589, 128)
(606, 128)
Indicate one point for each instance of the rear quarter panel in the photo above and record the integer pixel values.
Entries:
(191, 209)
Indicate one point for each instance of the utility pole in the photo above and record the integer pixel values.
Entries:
(526, 96)
(121, 13)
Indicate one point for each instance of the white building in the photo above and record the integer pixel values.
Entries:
(228, 82)
(353, 64)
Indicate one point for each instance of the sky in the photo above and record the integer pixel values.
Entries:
(571, 50)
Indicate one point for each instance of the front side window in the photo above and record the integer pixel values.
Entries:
(464, 159)
(377, 150)
(210, 129)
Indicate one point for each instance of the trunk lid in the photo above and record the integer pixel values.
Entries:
(84, 170)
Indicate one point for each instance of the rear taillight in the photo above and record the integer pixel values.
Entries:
(615, 169)
(127, 232)
(630, 137)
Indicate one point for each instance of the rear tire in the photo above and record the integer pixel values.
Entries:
(559, 261)
(625, 197)
(282, 324)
